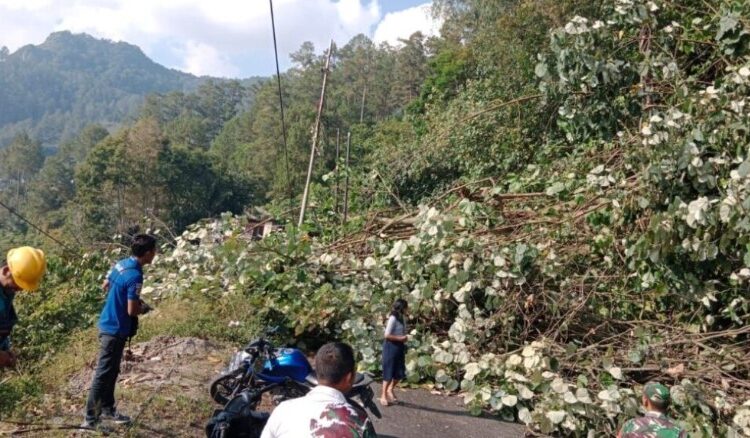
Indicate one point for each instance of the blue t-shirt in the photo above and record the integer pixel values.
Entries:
(125, 282)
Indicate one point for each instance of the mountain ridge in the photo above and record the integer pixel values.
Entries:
(54, 89)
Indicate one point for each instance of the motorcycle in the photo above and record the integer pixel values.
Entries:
(285, 373)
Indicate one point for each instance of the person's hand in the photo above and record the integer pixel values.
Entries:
(404, 338)
(145, 308)
(7, 359)
(105, 285)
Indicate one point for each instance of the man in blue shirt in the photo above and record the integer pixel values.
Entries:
(122, 305)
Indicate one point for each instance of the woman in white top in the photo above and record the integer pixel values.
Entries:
(394, 352)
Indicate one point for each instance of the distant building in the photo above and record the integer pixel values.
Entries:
(260, 224)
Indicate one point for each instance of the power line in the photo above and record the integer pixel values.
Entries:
(281, 106)
(20, 216)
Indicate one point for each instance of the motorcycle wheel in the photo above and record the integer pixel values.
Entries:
(224, 386)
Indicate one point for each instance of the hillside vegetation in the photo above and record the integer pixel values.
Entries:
(565, 211)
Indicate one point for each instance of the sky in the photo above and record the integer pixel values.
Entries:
(224, 38)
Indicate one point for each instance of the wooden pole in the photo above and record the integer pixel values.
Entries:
(362, 106)
(336, 192)
(316, 133)
(346, 184)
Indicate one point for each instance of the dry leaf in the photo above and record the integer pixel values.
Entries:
(676, 370)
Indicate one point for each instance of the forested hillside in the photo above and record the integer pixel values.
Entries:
(53, 90)
(558, 188)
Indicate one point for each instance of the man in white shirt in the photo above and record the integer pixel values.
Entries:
(324, 412)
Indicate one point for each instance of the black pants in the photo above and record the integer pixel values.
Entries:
(102, 393)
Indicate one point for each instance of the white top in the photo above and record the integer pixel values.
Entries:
(395, 327)
(323, 412)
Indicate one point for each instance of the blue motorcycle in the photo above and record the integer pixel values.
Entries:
(285, 373)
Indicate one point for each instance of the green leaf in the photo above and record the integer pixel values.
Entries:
(726, 25)
(634, 356)
(451, 385)
(555, 189)
(541, 70)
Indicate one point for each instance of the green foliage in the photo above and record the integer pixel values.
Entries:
(16, 390)
(479, 113)
(194, 188)
(69, 299)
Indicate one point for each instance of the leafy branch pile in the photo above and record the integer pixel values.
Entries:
(494, 317)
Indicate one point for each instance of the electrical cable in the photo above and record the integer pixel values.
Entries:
(20, 216)
(281, 107)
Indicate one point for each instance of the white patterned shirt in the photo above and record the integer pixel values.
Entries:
(322, 413)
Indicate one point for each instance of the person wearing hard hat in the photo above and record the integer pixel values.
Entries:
(23, 269)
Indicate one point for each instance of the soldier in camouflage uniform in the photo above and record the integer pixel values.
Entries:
(655, 424)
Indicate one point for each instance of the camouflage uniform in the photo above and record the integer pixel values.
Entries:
(342, 421)
(654, 424)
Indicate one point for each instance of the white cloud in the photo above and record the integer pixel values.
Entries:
(216, 37)
(201, 59)
(402, 24)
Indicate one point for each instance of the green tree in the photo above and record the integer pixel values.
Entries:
(21, 160)
(54, 186)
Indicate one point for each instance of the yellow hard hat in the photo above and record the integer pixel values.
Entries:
(27, 266)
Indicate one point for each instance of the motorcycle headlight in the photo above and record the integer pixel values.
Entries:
(237, 359)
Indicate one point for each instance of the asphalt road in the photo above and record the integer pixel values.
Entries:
(422, 414)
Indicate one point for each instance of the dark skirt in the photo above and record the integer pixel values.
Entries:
(394, 361)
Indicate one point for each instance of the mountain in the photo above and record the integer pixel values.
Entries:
(71, 80)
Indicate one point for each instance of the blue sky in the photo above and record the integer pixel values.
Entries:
(228, 38)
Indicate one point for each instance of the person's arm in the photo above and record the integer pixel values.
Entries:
(622, 428)
(7, 359)
(389, 331)
(135, 307)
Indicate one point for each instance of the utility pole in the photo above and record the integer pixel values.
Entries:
(336, 192)
(362, 106)
(316, 133)
(346, 186)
